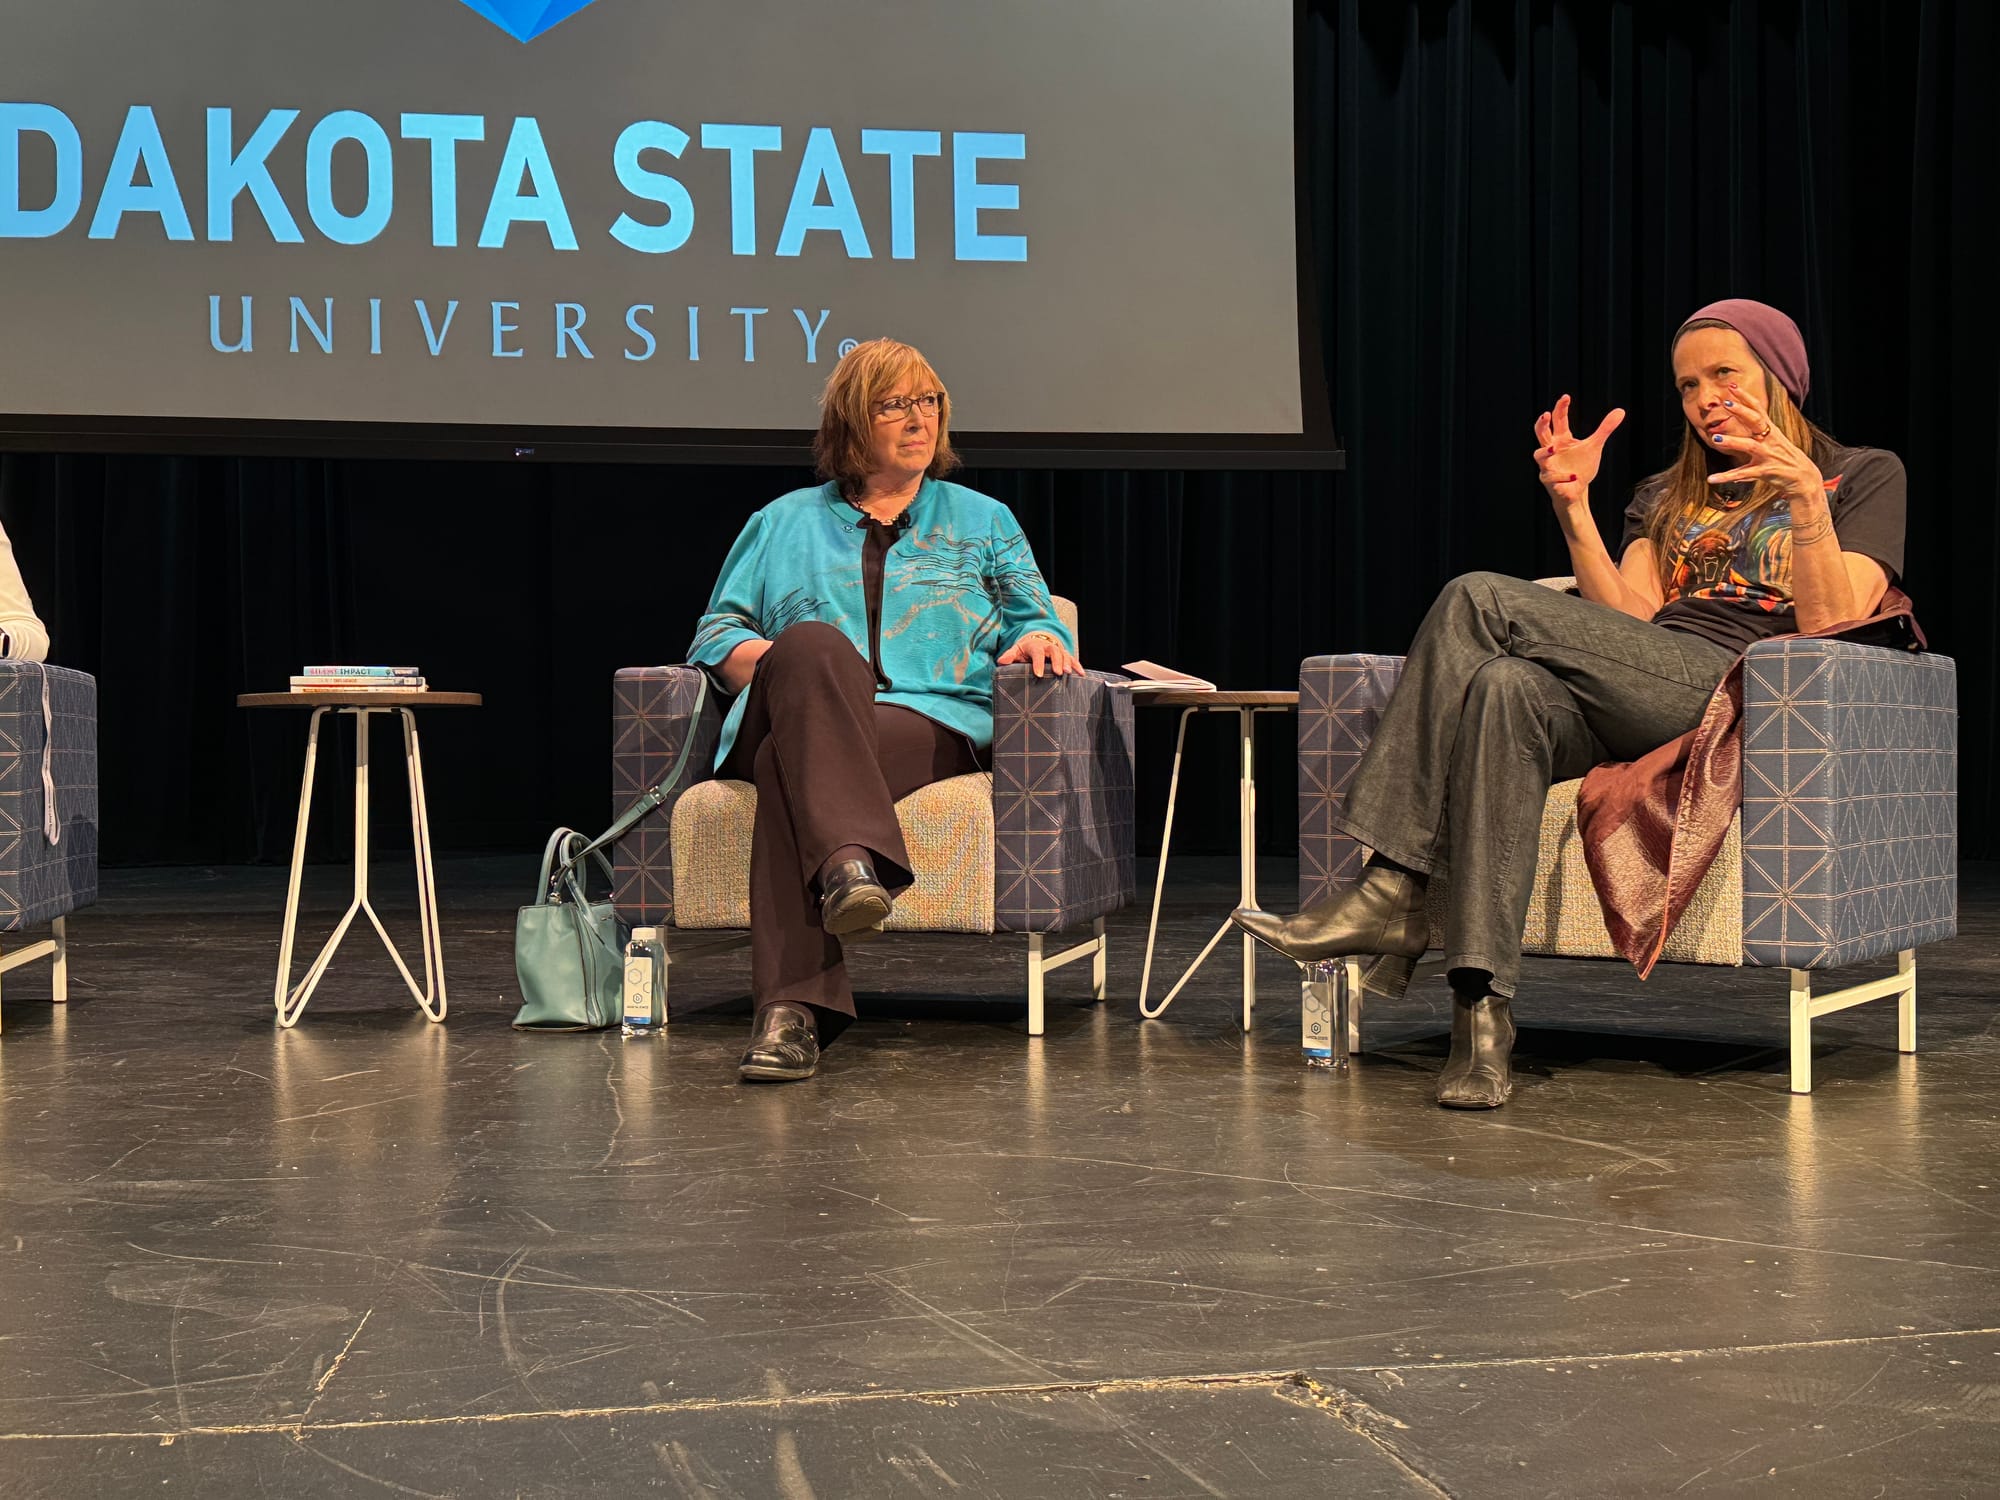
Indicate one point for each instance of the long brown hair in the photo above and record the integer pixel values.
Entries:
(1684, 486)
(865, 374)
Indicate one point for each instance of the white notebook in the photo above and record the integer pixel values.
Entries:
(1154, 678)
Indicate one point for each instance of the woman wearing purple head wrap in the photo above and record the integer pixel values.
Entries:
(1763, 526)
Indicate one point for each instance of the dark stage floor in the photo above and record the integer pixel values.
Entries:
(375, 1256)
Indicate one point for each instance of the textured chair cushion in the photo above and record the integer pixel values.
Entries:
(947, 825)
(1066, 612)
(39, 880)
(1566, 921)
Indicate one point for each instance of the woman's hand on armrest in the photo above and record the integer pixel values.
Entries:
(1039, 648)
(739, 666)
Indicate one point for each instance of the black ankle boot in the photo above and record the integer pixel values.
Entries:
(784, 1046)
(853, 904)
(1479, 1073)
(1382, 914)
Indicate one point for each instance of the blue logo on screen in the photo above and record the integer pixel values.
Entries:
(524, 20)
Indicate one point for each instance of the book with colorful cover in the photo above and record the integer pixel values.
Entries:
(358, 685)
(361, 672)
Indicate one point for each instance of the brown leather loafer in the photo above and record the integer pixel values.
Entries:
(853, 904)
(784, 1046)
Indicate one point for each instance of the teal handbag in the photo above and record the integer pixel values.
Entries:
(569, 951)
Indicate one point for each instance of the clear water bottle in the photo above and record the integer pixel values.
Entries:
(1323, 1014)
(645, 983)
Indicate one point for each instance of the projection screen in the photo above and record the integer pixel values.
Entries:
(648, 228)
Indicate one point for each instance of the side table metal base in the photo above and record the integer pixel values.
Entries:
(291, 999)
(1246, 808)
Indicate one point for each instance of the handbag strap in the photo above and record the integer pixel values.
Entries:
(544, 883)
(646, 803)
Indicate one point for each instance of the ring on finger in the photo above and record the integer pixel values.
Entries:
(1763, 433)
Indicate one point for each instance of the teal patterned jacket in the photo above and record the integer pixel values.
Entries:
(959, 587)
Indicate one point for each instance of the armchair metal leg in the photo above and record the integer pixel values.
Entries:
(1039, 965)
(1801, 1031)
(1906, 1003)
(1902, 984)
(1037, 1019)
(55, 946)
(61, 977)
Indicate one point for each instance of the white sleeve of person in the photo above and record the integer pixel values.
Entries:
(23, 637)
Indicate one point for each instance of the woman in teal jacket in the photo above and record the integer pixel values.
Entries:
(859, 623)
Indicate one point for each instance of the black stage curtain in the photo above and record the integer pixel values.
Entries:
(1507, 201)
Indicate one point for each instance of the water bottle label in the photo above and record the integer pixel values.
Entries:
(639, 992)
(1316, 1022)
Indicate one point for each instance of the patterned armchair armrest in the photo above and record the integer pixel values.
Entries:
(652, 716)
(1850, 802)
(1341, 699)
(1063, 837)
(48, 782)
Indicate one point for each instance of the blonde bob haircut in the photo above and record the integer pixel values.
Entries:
(865, 375)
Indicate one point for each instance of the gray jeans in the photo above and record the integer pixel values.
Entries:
(1510, 688)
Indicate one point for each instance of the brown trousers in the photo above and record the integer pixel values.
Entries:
(829, 764)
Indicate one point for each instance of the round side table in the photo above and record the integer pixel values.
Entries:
(365, 706)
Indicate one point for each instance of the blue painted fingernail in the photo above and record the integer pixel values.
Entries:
(1730, 404)
(1718, 439)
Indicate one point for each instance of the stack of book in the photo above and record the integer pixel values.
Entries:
(1151, 677)
(358, 680)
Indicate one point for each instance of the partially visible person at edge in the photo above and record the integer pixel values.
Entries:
(1763, 526)
(859, 623)
(23, 637)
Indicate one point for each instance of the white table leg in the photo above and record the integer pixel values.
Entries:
(291, 1001)
(1247, 849)
(1246, 809)
(290, 1004)
(1160, 880)
(433, 1000)
(430, 997)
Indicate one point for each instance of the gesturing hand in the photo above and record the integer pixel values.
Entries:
(1568, 463)
(1768, 454)
(1041, 649)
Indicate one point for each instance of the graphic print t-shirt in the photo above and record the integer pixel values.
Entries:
(1729, 574)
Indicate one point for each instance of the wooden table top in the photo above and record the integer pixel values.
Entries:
(362, 698)
(1185, 698)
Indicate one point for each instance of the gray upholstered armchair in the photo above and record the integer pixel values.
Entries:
(1846, 848)
(1042, 843)
(48, 808)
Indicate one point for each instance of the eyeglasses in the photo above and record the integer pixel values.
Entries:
(898, 407)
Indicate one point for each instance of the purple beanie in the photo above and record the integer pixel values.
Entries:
(1772, 337)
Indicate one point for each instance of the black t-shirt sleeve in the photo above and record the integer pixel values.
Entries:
(1870, 502)
(1636, 512)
